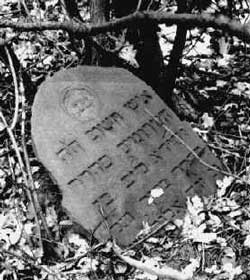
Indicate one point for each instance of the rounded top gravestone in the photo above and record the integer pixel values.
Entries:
(101, 132)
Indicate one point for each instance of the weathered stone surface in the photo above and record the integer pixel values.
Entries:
(93, 130)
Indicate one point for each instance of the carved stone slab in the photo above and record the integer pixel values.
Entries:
(100, 132)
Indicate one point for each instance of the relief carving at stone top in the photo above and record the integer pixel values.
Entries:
(80, 103)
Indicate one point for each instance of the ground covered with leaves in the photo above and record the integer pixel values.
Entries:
(212, 241)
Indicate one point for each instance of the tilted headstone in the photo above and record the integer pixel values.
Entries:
(104, 136)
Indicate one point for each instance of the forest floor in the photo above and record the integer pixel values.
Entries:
(213, 239)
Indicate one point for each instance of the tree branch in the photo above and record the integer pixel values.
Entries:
(14, 77)
(189, 20)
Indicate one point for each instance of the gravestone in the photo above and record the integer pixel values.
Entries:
(104, 136)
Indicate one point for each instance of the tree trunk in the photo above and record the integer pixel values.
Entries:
(230, 4)
(72, 9)
(73, 13)
(99, 11)
(149, 55)
(144, 39)
(171, 72)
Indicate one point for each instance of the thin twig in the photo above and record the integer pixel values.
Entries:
(190, 149)
(13, 176)
(22, 167)
(164, 272)
(27, 164)
(154, 231)
(25, 8)
(14, 76)
(227, 151)
(138, 5)
(11, 168)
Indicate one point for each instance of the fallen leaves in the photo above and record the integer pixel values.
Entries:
(157, 192)
(194, 225)
(223, 185)
(208, 121)
(10, 229)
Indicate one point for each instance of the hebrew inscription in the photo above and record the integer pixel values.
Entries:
(101, 132)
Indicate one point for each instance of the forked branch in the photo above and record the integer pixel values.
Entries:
(189, 20)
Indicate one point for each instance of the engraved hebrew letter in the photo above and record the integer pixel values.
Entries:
(131, 104)
(94, 133)
(107, 123)
(105, 162)
(128, 179)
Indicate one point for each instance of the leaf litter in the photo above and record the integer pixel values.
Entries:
(212, 241)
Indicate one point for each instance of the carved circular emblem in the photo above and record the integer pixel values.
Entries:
(80, 103)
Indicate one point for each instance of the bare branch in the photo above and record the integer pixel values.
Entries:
(13, 72)
(25, 177)
(37, 206)
(165, 272)
(189, 20)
